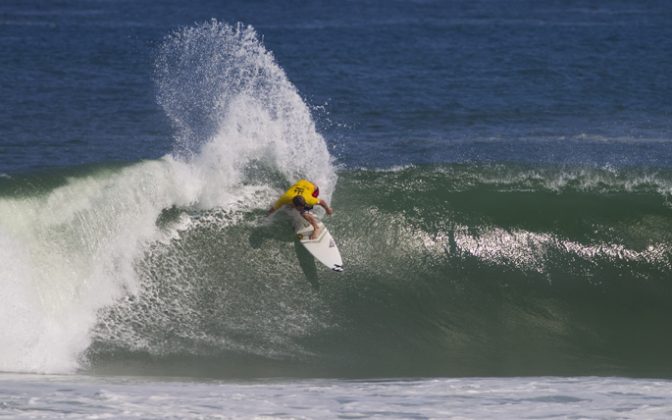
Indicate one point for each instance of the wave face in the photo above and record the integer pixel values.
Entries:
(450, 270)
(75, 243)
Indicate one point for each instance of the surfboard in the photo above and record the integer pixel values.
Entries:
(323, 248)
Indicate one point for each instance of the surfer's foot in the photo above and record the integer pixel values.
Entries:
(315, 234)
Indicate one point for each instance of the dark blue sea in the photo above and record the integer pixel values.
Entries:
(500, 171)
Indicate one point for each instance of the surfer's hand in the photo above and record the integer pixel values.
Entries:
(329, 211)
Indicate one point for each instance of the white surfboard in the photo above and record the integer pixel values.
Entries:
(323, 248)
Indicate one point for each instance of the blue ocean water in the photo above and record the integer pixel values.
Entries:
(389, 83)
(501, 174)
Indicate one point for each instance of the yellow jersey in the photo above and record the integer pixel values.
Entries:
(303, 188)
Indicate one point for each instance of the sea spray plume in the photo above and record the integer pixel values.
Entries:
(233, 108)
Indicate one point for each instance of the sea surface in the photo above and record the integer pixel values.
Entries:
(501, 174)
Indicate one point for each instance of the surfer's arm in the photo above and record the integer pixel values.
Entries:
(326, 207)
(279, 203)
(274, 207)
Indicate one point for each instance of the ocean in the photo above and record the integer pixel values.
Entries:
(501, 175)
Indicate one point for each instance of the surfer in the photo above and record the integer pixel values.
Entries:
(303, 196)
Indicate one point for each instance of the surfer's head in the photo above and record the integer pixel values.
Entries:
(299, 201)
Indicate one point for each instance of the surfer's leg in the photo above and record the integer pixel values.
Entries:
(313, 222)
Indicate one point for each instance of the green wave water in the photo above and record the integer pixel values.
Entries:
(450, 270)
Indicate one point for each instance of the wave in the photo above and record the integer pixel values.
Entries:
(450, 270)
